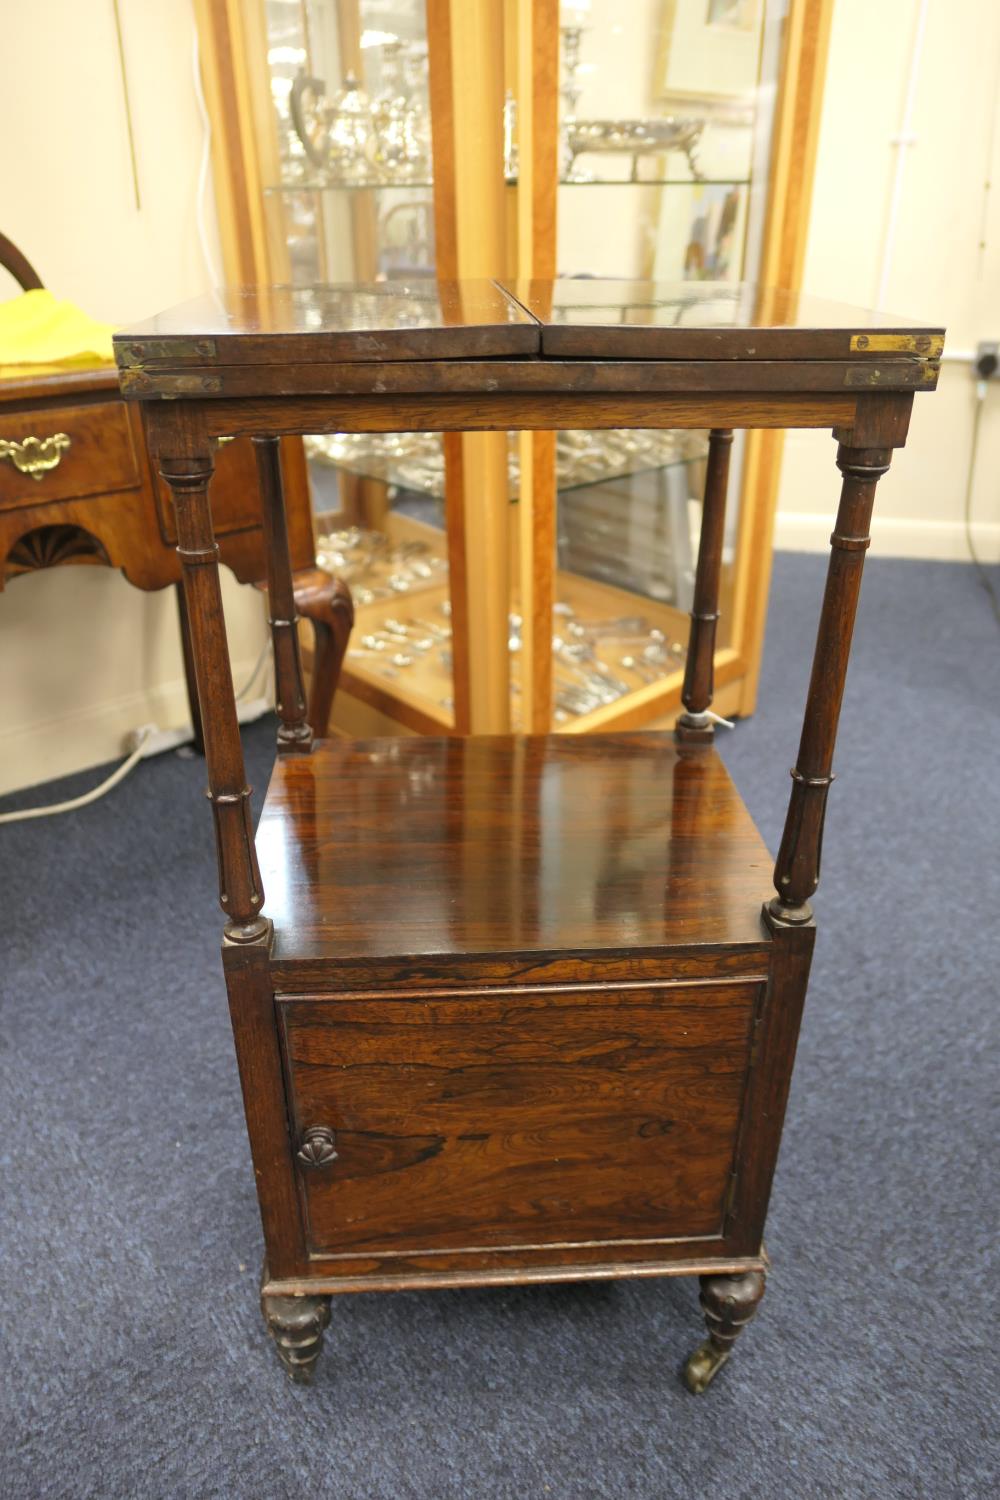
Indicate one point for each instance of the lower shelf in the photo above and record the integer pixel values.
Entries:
(382, 851)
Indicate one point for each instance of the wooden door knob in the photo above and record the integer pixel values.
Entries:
(318, 1147)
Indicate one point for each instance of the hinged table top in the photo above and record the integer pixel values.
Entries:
(189, 349)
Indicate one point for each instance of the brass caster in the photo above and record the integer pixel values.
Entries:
(703, 1366)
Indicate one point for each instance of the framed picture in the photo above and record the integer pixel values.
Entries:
(709, 54)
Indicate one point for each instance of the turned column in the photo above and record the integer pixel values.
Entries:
(796, 871)
(694, 725)
(240, 893)
(294, 733)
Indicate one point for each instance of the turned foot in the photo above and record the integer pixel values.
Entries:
(297, 1324)
(729, 1302)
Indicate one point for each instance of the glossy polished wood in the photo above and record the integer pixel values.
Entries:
(521, 1010)
(699, 668)
(433, 337)
(420, 319)
(104, 489)
(565, 1118)
(606, 319)
(503, 411)
(544, 844)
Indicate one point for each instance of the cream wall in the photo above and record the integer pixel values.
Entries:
(938, 270)
(84, 656)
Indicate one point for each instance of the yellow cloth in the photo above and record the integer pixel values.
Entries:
(37, 329)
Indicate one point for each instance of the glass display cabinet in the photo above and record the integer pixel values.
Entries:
(537, 581)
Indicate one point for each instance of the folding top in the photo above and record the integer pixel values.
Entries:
(598, 319)
(423, 337)
(398, 320)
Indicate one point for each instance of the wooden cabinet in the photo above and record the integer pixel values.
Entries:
(517, 995)
(507, 1007)
(362, 141)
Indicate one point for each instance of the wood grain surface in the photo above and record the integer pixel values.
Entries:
(556, 1118)
(502, 845)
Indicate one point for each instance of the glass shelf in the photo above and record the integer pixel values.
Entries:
(633, 182)
(415, 461)
(379, 186)
(316, 186)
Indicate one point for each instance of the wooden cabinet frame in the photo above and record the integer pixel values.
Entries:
(485, 227)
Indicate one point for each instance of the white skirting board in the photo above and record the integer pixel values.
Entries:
(59, 746)
(808, 531)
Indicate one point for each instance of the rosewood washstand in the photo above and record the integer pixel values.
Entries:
(514, 1009)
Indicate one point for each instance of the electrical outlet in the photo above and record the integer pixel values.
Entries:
(987, 365)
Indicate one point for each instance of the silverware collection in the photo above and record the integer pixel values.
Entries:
(590, 655)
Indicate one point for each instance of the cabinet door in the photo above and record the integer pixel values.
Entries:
(520, 1119)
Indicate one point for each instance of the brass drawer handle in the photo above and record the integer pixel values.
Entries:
(319, 1146)
(35, 456)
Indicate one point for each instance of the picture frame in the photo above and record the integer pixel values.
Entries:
(709, 56)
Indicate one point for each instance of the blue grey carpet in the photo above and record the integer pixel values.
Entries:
(134, 1362)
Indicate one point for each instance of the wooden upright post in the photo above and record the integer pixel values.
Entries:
(796, 872)
(294, 733)
(694, 725)
(863, 456)
(241, 894)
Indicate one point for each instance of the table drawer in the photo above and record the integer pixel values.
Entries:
(517, 1119)
(74, 451)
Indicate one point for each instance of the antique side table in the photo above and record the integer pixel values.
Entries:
(76, 487)
(515, 1009)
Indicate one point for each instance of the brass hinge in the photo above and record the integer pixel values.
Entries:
(135, 381)
(896, 374)
(929, 344)
(139, 352)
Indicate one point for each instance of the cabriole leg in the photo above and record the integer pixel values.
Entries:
(326, 603)
(728, 1302)
(297, 1325)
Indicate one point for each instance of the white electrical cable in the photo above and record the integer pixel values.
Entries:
(215, 278)
(262, 658)
(91, 796)
(902, 142)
